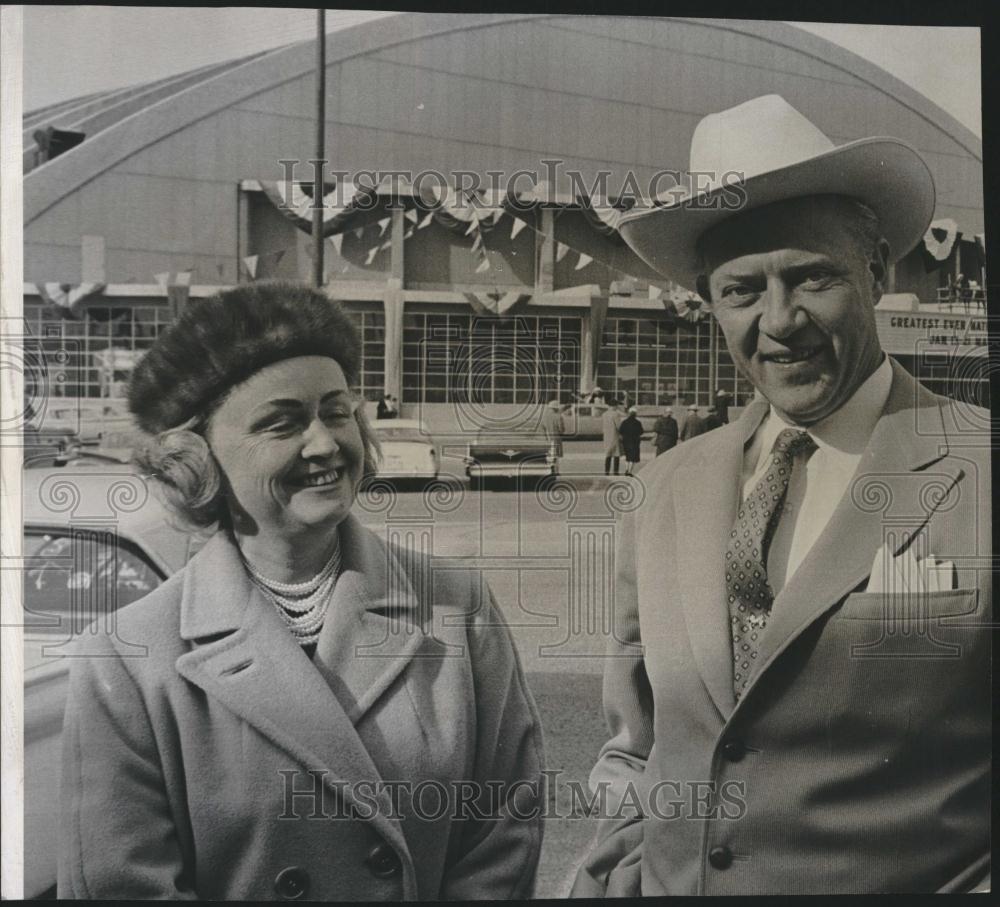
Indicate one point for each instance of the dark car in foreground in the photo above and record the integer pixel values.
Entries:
(499, 456)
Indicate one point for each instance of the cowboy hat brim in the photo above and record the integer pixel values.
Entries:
(886, 174)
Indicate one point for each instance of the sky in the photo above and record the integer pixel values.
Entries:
(67, 49)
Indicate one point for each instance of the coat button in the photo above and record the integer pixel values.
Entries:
(292, 883)
(382, 861)
(720, 857)
(734, 750)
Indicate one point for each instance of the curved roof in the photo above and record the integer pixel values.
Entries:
(617, 94)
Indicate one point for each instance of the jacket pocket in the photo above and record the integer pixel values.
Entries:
(907, 608)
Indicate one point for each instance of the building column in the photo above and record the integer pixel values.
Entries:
(396, 250)
(545, 252)
(393, 308)
(243, 231)
(591, 336)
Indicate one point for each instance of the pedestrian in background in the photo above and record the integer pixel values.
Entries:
(666, 431)
(554, 427)
(712, 420)
(722, 400)
(612, 418)
(694, 425)
(631, 434)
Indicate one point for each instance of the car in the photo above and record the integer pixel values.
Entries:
(73, 454)
(507, 455)
(408, 450)
(95, 539)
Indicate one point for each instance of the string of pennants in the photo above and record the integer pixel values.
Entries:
(471, 214)
(474, 215)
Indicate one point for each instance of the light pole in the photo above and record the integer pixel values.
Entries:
(319, 162)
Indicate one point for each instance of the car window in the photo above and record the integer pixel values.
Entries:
(85, 573)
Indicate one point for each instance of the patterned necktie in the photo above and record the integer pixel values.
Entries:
(749, 592)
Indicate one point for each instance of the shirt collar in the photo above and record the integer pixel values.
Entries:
(847, 429)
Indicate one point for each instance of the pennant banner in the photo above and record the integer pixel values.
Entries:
(519, 225)
(412, 216)
(940, 238)
(495, 302)
(250, 263)
(583, 262)
(339, 205)
(68, 298)
(561, 250)
(337, 241)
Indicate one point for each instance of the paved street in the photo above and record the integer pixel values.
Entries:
(547, 556)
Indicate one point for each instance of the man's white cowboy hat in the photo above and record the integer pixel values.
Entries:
(765, 151)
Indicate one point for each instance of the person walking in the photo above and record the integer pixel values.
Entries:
(631, 434)
(694, 425)
(612, 418)
(666, 432)
(554, 427)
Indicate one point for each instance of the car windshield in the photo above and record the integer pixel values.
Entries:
(82, 573)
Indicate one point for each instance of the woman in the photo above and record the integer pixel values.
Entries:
(631, 435)
(310, 697)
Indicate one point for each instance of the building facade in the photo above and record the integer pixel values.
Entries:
(141, 201)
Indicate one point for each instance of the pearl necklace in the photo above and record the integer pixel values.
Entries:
(302, 606)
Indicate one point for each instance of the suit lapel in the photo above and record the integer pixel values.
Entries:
(889, 488)
(253, 666)
(706, 495)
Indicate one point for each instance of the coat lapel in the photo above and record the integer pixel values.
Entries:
(374, 626)
(886, 490)
(246, 659)
(706, 495)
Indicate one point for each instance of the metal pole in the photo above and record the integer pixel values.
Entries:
(319, 162)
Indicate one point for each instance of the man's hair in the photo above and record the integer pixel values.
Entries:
(862, 222)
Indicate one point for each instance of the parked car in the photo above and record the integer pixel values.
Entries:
(95, 539)
(74, 454)
(408, 450)
(506, 455)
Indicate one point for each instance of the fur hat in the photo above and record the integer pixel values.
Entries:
(219, 342)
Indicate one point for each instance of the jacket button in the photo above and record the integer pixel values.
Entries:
(382, 861)
(720, 857)
(292, 883)
(734, 750)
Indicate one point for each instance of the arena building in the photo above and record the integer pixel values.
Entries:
(141, 201)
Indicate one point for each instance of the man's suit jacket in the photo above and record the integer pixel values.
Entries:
(172, 773)
(858, 758)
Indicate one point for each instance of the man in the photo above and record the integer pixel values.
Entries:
(694, 425)
(384, 408)
(799, 700)
(712, 420)
(722, 400)
(610, 420)
(553, 427)
(665, 430)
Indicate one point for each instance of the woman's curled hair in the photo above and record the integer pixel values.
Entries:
(216, 344)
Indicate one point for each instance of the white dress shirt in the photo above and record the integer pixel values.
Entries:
(820, 479)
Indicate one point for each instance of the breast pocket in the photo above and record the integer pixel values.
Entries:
(905, 663)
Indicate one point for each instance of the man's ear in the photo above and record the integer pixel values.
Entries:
(878, 264)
